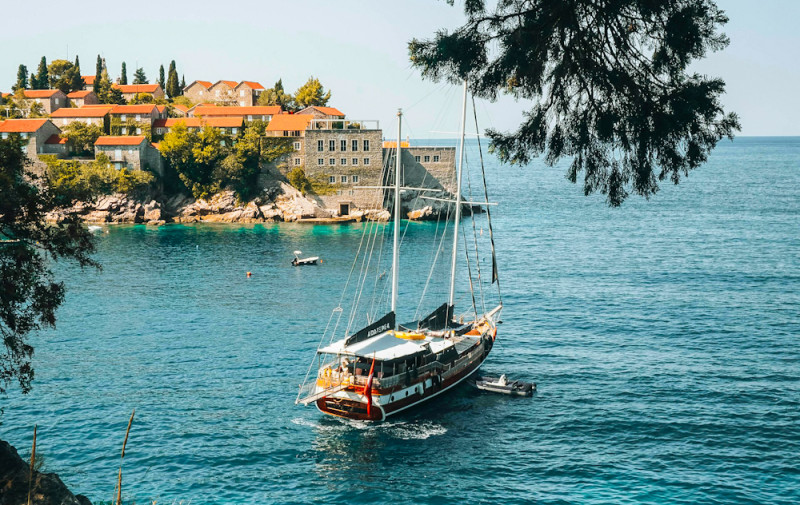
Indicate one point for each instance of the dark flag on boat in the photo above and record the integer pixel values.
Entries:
(368, 388)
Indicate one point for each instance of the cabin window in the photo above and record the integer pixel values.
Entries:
(320, 145)
(343, 145)
(331, 145)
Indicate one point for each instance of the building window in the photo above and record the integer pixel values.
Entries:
(332, 179)
(296, 161)
(436, 158)
(297, 146)
(343, 161)
(138, 131)
(366, 145)
(331, 145)
(427, 159)
(235, 131)
(124, 131)
(354, 145)
(241, 92)
(249, 118)
(355, 178)
(56, 100)
(344, 178)
(320, 145)
(332, 161)
(416, 158)
(320, 161)
(123, 117)
(343, 145)
(354, 161)
(366, 161)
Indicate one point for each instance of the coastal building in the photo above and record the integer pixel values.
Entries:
(222, 92)
(81, 98)
(49, 99)
(90, 115)
(253, 113)
(129, 91)
(197, 91)
(130, 152)
(88, 82)
(247, 93)
(227, 125)
(34, 133)
(133, 119)
(322, 112)
(179, 110)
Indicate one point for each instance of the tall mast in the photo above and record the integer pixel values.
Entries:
(395, 251)
(458, 198)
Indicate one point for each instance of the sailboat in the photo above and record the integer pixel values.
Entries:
(386, 368)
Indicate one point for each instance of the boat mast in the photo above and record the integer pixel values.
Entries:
(458, 199)
(395, 252)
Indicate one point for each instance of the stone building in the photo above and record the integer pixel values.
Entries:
(49, 99)
(322, 112)
(197, 91)
(129, 91)
(57, 145)
(34, 132)
(222, 92)
(227, 125)
(81, 98)
(90, 115)
(131, 152)
(88, 82)
(439, 162)
(133, 119)
(247, 93)
(256, 112)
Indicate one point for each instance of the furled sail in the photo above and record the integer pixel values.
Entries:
(438, 319)
(383, 324)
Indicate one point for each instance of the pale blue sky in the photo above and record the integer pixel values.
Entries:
(358, 49)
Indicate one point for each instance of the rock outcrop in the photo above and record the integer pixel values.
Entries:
(46, 488)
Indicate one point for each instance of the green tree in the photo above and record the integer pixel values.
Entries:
(608, 81)
(22, 78)
(277, 96)
(123, 74)
(173, 87)
(141, 98)
(78, 64)
(239, 170)
(139, 76)
(82, 136)
(311, 93)
(40, 80)
(76, 81)
(183, 84)
(29, 292)
(64, 76)
(98, 73)
(161, 81)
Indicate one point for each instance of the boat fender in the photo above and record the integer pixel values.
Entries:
(494, 334)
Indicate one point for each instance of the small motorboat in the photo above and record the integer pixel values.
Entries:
(299, 262)
(503, 386)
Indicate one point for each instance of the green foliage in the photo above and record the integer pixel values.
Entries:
(139, 76)
(65, 76)
(311, 93)
(161, 81)
(40, 80)
(22, 78)
(115, 96)
(29, 293)
(273, 148)
(90, 180)
(141, 98)
(182, 100)
(35, 109)
(173, 89)
(297, 178)
(97, 76)
(82, 137)
(321, 186)
(123, 74)
(608, 82)
(277, 96)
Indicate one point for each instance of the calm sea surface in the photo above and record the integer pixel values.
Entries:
(664, 337)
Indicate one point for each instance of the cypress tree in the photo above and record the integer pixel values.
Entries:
(173, 88)
(78, 64)
(161, 81)
(183, 84)
(41, 79)
(22, 78)
(98, 74)
(123, 76)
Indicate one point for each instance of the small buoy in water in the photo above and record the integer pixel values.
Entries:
(320, 261)
(249, 274)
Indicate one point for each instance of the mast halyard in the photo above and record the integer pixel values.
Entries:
(395, 251)
(458, 200)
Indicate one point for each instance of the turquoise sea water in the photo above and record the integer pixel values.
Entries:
(664, 337)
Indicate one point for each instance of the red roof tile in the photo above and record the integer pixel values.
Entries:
(197, 122)
(40, 93)
(120, 141)
(205, 84)
(88, 79)
(329, 111)
(231, 84)
(56, 139)
(181, 108)
(22, 125)
(134, 109)
(256, 110)
(289, 122)
(80, 94)
(252, 84)
(137, 88)
(80, 112)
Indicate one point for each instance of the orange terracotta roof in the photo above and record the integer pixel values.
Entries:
(392, 144)
(88, 79)
(256, 110)
(329, 111)
(252, 84)
(56, 139)
(181, 108)
(289, 122)
(120, 141)
(133, 109)
(99, 105)
(198, 122)
(80, 94)
(80, 112)
(5, 94)
(161, 108)
(40, 93)
(22, 125)
(137, 88)
(157, 145)
(232, 84)
(205, 84)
